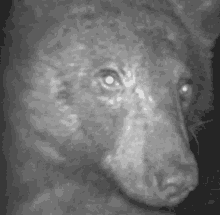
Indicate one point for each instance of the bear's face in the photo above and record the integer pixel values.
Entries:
(112, 93)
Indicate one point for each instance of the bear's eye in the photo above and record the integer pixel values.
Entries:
(110, 79)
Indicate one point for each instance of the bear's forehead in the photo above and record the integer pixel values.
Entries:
(102, 53)
(107, 40)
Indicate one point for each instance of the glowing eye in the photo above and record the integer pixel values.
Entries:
(110, 78)
(110, 82)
